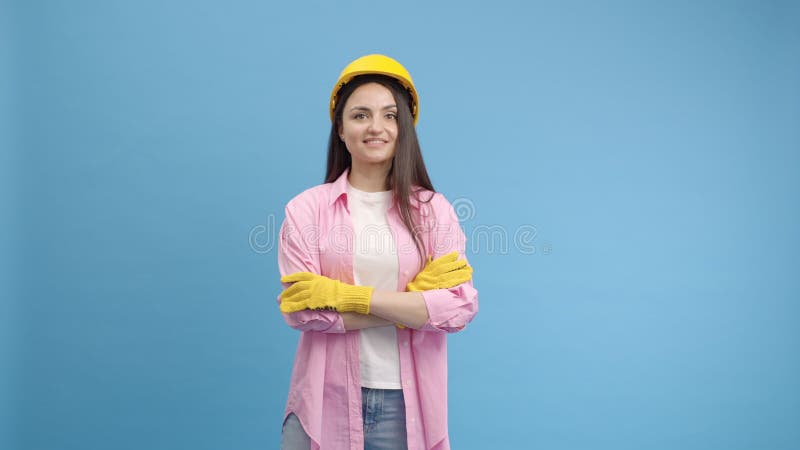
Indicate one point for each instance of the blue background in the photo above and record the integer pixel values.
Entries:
(149, 148)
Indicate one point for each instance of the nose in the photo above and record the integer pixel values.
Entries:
(375, 125)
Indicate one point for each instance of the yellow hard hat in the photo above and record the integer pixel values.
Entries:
(378, 65)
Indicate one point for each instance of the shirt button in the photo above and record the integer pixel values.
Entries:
(405, 343)
(405, 272)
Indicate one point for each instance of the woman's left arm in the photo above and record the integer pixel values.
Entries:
(438, 310)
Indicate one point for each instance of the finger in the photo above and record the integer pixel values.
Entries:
(298, 276)
(444, 259)
(459, 277)
(449, 267)
(298, 290)
(295, 299)
(425, 278)
(417, 285)
(290, 307)
(464, 273)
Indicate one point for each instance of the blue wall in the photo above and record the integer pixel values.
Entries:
(628, 175)
(10, 298)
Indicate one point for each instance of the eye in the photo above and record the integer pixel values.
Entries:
(392, 116)
(359, 116)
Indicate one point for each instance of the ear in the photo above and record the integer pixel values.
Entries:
(340, 131)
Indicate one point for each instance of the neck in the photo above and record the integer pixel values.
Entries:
(370, 178)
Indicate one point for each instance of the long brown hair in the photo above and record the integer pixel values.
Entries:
(408, 167)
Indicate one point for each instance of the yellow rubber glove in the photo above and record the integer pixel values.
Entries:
(441, 273)
(312, 291)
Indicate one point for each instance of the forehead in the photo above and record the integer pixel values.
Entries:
(371, 94)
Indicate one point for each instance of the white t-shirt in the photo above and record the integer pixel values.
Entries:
(375, 264)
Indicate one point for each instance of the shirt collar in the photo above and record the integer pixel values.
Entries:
(339, 188)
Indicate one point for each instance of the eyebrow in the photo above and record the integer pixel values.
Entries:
(364, 108)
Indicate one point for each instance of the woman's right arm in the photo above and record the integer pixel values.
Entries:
(296, 253)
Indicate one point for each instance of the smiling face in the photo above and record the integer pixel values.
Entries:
(369, 126)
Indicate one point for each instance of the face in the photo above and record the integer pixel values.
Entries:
(369, 125)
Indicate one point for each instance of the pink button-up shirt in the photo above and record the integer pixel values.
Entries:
(325, 391)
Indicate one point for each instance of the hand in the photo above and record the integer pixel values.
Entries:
(441, 273)
(312, 291)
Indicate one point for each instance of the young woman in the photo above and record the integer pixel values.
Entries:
(375, 276)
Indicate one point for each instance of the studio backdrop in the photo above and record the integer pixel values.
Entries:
(627, 175)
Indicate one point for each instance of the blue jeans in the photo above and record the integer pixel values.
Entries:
(384, 414)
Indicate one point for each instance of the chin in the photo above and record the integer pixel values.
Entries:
(375, 159)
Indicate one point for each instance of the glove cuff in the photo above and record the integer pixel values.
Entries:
(354, 298)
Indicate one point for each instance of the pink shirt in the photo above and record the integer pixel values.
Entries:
(325, 389)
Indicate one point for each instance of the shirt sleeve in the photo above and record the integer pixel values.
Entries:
(296, 253)
(449, 310)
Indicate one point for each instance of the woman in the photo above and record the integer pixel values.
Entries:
(374, 272)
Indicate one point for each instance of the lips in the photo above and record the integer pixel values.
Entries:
(375, 141)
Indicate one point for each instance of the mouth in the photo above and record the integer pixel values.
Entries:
(375, 142)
